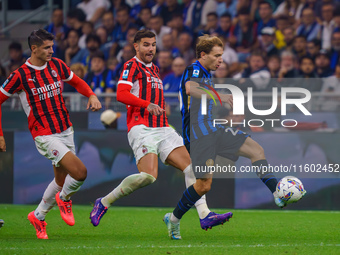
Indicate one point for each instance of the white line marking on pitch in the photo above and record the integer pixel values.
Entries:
(177, 246)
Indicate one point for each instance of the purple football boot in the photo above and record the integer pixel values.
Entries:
(215, 219)
(97, 212)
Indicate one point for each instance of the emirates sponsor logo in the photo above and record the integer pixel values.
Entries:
(47, 91)
(155, 82)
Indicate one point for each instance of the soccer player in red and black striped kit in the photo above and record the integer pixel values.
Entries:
(141, 89)
(38, 83)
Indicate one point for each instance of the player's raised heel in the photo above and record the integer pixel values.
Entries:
(65, 208)
(173, 228)
(97, 212)
(1, 223)
(215, 219)
(39, 225)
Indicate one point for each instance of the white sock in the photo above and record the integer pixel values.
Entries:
(173, 218)
(47, 201)
(201, 204)
(127, 186)
(70, 187)
(202, 207)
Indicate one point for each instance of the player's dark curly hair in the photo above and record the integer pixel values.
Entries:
(144, 33)
(37, 37)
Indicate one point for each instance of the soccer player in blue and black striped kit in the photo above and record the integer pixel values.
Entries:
(203, 140)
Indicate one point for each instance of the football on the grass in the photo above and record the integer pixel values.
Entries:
(290, 189)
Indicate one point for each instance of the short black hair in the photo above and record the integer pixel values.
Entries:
(144, 33)
(15, 46)
(300, 36)
(93, 37)
(265, 2)
(283, 17)
(306, 57)
(56, 9)
(77, 13)
(123, 8)
(212, 14)
(177, 15)
(98, 54)
(146, 8)
(243, 11)
(73, 30)
(226, 15)
(37, 37)
(316, 42)
(259, 53)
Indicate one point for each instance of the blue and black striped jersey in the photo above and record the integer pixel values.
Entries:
(193, 122)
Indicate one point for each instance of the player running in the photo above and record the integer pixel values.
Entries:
(207, 141)
(38, 83)
(141, 89)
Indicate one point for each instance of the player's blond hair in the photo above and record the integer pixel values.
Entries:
(206, 43)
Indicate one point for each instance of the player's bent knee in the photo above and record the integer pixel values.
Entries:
(206, 188)
(79, 173)
(259, 152)
(82, 174)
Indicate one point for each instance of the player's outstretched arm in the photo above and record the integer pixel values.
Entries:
(84, 89)
(93, 103)
(81, 86)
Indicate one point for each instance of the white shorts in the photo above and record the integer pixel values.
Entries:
(55, 146)
(160, 141)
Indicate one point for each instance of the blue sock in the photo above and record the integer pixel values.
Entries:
(268, 178)
(188, 199)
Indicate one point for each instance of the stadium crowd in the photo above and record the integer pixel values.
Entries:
(266, 42)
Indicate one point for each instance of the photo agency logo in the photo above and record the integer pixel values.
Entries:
(239, 105)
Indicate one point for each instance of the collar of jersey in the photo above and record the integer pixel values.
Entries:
(205, 70)
(35, 67)
(147, 65)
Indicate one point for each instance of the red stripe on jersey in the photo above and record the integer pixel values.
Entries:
(62, 111)
(53, 102)
(145, 80)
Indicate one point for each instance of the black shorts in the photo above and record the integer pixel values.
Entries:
(204, 150)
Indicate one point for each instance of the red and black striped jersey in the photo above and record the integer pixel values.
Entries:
(40, 92)
(146, 84)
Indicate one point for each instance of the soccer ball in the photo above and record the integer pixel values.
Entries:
(290, 189)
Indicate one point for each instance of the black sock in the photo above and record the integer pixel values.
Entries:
(188, 199)
(266, 177)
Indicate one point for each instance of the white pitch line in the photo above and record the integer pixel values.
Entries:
(177, 246)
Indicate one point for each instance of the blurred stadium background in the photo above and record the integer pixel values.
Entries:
(307, 59)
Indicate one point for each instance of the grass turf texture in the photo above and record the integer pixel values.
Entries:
(137, 230)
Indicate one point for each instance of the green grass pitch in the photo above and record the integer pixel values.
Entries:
(137, 230)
